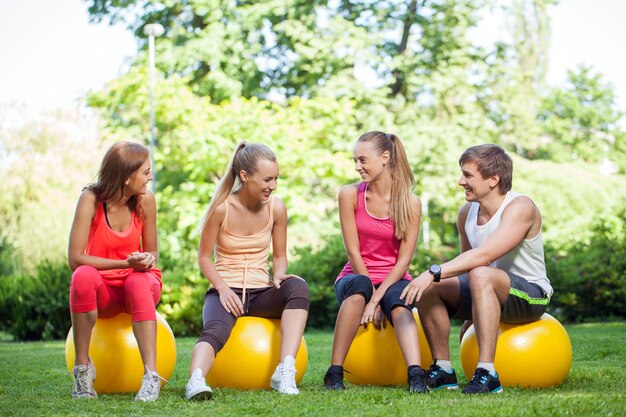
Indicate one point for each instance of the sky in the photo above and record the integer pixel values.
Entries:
(50, 55)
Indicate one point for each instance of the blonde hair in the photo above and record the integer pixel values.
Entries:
(402, 181)
(245, 157)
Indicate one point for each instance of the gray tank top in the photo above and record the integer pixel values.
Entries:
(525, 260)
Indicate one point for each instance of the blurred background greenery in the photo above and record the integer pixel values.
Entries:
(307, 78)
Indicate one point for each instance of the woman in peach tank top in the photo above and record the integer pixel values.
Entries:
(113, 252)
(237, 230)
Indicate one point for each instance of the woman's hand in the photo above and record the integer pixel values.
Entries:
(231, 302)
(280, 278)
(374, 314)
(141, 261)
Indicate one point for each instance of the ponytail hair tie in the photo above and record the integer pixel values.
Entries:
(388, 136)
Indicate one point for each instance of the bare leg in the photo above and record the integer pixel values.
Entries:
(202, 357)
(346, 326)
(145, 332)
(292, 323)
(82, 325)
(490, 290)
(406, 334)
(434, 315)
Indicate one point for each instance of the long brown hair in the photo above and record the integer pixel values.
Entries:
(245, 157)
(119, 164)
(402, 180)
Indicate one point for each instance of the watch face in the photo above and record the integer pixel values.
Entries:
(435, 269)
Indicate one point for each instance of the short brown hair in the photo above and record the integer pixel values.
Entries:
(491, 160)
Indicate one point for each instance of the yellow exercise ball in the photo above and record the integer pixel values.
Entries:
(114, 352)
(251, 354)
(536, 354)
(375, 358)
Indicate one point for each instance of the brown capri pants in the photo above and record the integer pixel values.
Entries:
(267, 302)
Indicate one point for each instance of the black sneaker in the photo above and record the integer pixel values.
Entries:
(333, 380)
(437, 378)
(483, 383)
(416, 379)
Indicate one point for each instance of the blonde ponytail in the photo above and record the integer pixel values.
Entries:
(244, 158)
(401, 211)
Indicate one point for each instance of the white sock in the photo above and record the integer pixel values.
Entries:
(289, 361)
(197, 373)
(445, 365)
(488, 366)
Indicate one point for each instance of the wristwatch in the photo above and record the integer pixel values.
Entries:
(436, 271)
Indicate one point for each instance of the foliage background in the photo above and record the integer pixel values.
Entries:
(290, 74)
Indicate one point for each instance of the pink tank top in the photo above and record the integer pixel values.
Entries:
(105, 242)
(377, 242)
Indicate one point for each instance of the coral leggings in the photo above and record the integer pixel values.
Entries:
(139, 295)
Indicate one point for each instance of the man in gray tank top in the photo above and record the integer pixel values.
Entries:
(500, 274)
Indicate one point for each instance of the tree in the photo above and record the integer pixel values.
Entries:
(581, 121)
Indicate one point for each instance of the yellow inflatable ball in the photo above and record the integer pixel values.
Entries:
(375, 358)
(251, 354)
(114, 352)
(537, 354)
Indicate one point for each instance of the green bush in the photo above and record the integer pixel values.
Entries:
(36, 307)
(182, 299)
(589, 276)
(319, 267)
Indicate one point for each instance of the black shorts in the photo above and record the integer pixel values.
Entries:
(526, 302)
(361, 284)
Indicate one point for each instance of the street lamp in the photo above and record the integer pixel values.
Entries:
(152, 30)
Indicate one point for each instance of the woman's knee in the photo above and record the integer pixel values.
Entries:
(295, 288)
(85, 278)
(140, 285)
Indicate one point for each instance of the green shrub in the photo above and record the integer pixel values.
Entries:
(589, 276)
(182, 299)
(319, 267)
(36, 307)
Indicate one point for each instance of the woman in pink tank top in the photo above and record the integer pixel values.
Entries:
(380, 221)
(242, 221)
(113, 252)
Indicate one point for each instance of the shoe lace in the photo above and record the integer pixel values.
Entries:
(433, 370)
(288, 377)
(334, 378)
(480, 376)
(151, 384)
(417, 376)
(81, 377)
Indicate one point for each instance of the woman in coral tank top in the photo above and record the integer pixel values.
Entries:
(380, 221)
(113, 252)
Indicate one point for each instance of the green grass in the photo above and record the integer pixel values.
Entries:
(34, 382)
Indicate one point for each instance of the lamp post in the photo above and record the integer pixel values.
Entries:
(152, 30)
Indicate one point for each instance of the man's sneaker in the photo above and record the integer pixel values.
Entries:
(416, 379)
(284, 377)
(483, 383)
(197, 389)
(84, 375)
(333, 380)
(437, 378)
(150, 387)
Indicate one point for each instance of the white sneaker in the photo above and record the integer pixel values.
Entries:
(150, 387)
(84, 375)
(197, 389)
(284, 377)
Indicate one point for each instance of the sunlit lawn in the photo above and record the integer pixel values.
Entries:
(34, 382)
